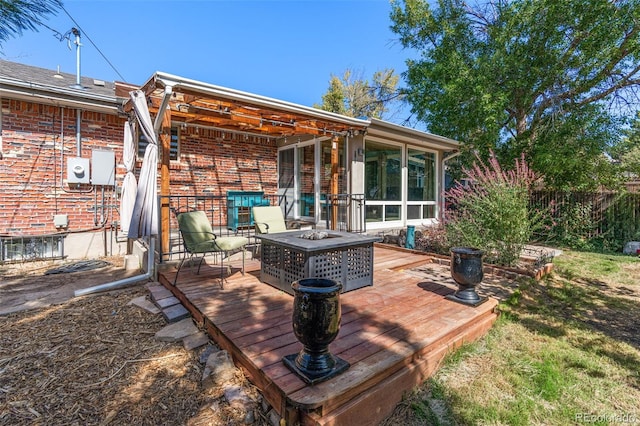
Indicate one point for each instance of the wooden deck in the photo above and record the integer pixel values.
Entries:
(394, 334)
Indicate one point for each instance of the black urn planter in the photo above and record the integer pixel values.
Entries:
(467, 272)
(316, 323)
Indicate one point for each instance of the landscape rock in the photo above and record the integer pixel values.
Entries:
(218, 370)
(177, 331)
(145, 304)
(195, 340)
(250, 417)
(274, 418)
(206, 352)
(237, 398)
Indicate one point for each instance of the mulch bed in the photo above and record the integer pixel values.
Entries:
(95, 360)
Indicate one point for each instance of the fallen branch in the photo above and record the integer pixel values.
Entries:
(124, 364)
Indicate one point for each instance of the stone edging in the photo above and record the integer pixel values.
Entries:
(499, 271)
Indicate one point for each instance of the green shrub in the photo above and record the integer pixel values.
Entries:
(433, 239)
(492, 212)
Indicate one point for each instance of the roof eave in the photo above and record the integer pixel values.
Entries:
(392, 131)
(28, 91)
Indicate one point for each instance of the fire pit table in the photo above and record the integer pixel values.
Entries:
(341, 256)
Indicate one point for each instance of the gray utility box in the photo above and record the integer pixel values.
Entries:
(103, 167)
(78, 170)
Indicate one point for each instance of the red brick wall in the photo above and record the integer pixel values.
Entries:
(213, 162)
(32, 186)
(32, 190)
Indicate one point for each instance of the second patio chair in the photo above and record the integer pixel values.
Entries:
(269, 220)
(199, 239)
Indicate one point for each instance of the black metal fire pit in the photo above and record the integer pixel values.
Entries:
(316, 323)
(467, 272)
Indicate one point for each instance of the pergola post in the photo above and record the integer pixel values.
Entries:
(165, 179)
(334, 181)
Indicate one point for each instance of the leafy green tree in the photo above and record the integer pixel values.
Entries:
(539, 77)
(354, 96)
(19, 15)
(333, 100)
(627, 153)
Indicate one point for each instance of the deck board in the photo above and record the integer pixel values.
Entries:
(395, 331)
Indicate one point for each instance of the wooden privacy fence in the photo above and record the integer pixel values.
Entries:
(612, 218)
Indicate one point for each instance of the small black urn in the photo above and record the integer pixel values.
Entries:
(466, 271)
(316, 323)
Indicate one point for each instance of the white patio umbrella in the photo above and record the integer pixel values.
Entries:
(144, 219)
(129, 184)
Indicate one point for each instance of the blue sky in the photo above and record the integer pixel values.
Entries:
(277, 48)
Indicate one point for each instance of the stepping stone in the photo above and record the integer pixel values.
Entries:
(158, 292)
(177, 331)
(167, 301)
(175, 313)
(145, 304)
(195, 341)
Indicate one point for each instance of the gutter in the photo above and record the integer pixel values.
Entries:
(386, 129)
(121, 283)
(72, 97)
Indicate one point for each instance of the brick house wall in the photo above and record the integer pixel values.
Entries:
(33, 187)
(212, 162)
(32, 184)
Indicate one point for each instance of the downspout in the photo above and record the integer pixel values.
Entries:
(78, 133)
(444, 160)
(126, 281)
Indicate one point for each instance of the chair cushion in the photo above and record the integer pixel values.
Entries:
(195, 228)
(231, 243)
(198, 235)
(272, 216)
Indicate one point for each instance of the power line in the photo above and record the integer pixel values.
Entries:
(56, 33)
(92, 43)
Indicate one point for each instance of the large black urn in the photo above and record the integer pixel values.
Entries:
(466, 271)
(316, 323)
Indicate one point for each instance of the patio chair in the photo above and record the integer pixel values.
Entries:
(269, 220)
(199, 239)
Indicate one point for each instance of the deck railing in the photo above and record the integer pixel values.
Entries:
(344, 212)
(228, 215)
(231, 215)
